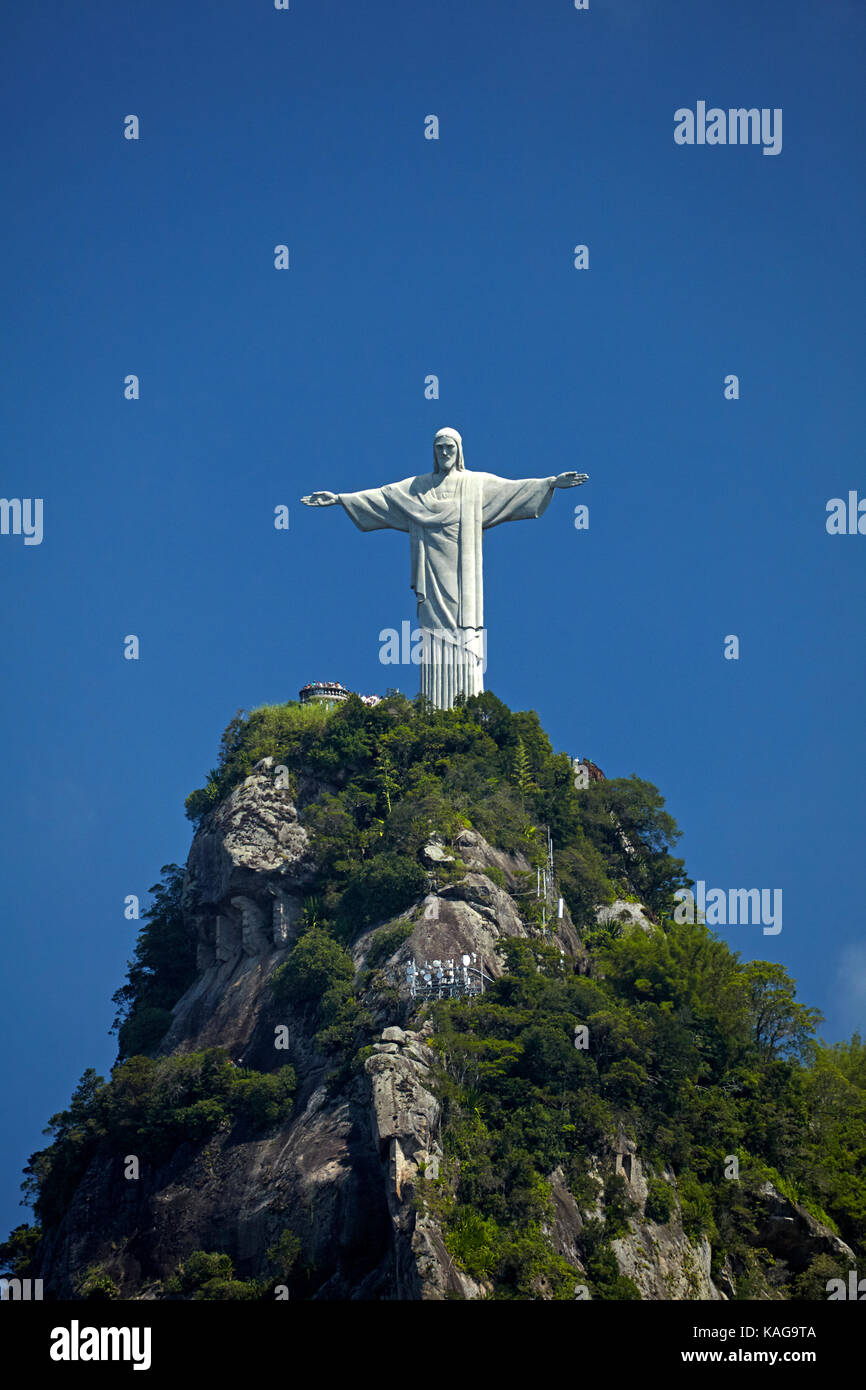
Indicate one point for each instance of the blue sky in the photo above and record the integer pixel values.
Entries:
(411, 257)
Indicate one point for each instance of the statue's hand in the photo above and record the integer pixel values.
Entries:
(570, 479)
(320, 499)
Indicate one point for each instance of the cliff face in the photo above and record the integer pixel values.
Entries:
(342, 1172)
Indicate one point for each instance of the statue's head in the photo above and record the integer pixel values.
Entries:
(447, 451)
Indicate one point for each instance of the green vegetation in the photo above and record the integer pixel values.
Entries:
(660, 1201)
(263, 734)
(316, 965)
(319, 977)
(17, 1251)
(96, 1285)
(149, 1108)
(162, 968)
(694, 1053)
(386, 942)
(283, 1255)
(206, 1275)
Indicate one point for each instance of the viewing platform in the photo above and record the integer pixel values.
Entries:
(331, 693)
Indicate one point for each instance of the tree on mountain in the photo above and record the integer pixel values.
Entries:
(521, 772)
(781, 1027)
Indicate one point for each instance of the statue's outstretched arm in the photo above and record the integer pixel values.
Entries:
(372, 510)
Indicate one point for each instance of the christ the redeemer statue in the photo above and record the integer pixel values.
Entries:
(444, 513)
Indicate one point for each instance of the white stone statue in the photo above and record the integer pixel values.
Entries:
(444, 513)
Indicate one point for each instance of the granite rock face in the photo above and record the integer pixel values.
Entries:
(660, 1258)
(794, 1236)
(247, 869)
(630, 916)
(470, 915)
(405, 1117)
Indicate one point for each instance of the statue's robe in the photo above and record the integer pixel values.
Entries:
(445, 515)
